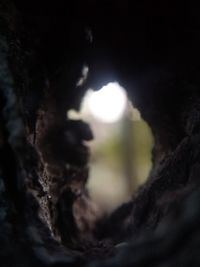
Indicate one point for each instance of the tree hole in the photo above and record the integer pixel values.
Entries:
(121, 150)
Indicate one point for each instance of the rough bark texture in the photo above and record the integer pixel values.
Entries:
(46, 215)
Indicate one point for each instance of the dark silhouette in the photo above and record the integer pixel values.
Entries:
(46, 216)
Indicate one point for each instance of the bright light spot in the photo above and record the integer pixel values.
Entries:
(109, 103)
(73, 115)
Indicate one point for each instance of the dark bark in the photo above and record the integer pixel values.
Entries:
(46, 215)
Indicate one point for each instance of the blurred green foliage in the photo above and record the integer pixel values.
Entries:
(111, 151)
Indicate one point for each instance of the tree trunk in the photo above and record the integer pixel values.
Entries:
(46, 215)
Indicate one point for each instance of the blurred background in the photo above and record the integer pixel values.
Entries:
(121, 149)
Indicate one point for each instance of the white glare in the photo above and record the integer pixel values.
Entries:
(83, 77)
(109, 103)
